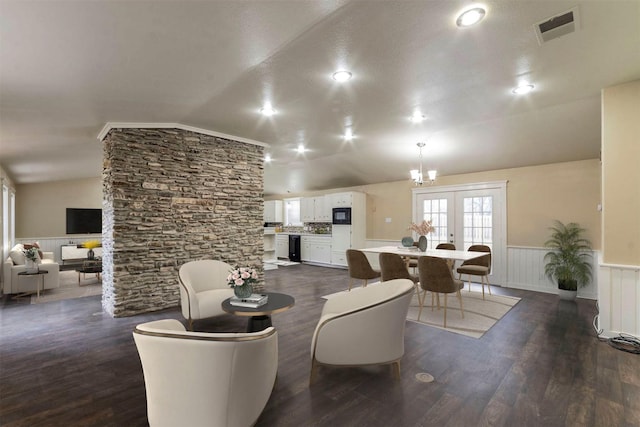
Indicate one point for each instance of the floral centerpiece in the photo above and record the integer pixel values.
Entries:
(32, 257)
(422, 229)
(240, 279)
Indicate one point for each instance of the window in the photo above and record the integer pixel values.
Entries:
(478, 225)
(292, 212)
(436, 211)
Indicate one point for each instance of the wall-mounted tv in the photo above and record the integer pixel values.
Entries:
(84, 221)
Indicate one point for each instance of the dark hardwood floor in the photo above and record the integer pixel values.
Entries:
(67, 363)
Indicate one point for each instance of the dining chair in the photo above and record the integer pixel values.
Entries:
(480, 266)
(447, 246)
(392, 266)
(359, 267)
(436, 276)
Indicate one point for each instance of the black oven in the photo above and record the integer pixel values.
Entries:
(341, 216)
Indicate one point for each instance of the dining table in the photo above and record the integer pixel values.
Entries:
(414, 252)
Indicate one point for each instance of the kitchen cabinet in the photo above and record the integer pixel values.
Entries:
(342, 200)
(273, 211)
(315, 209)
(352, 236)
(282, 245)
(316, 249)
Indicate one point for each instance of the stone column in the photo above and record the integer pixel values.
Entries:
(173, 196)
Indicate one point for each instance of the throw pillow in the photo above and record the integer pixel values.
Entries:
(34, 245)
(17, 256)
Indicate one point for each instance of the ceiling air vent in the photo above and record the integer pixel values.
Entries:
(557, 26)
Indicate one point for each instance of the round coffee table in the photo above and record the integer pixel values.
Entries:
(260, 318)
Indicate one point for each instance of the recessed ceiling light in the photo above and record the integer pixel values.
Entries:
(341, 76)
(301, 149)
(267, 158)
(267, 110)
(348, 135)
(471, 16)
(523, 89)
(417, 117)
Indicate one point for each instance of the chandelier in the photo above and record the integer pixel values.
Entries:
(416, 174)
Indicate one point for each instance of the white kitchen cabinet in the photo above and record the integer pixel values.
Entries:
(342, 200)
(282, 245)
(273, 211)
(316, 249)
(315, 209)
(352, 236)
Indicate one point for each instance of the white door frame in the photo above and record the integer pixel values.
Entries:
(501, 186)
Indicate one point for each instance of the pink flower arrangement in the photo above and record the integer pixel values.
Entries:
(422, 229)
(241, 276)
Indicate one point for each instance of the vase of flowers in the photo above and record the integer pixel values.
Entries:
(241, 279)
(422, 229)
(91, 245)
(31, 264)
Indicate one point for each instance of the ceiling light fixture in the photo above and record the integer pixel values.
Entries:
(341, 76)
(301, 149)
(523, 89)
(416, 174)
(267, 158)
(417, 117)
(471, 16)
(267, 110)
(348, 135)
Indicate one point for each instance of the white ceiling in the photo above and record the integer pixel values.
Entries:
(69, 67)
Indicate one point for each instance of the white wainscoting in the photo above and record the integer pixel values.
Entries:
(525, 269)
(53, 244)
(619, 299)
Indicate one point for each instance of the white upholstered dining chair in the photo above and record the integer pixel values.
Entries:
(200, 379)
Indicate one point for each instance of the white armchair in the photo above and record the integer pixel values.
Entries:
(15, 264)
(203, 287)
(205, 379)
(363, 327)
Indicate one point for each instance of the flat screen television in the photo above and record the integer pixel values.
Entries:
(84, 221)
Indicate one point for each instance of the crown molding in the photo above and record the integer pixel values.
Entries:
(114, 125)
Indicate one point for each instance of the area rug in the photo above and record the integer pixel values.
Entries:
(282, 263)
(479, 315)
(69, 288)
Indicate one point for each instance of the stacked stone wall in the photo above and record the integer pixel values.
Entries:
(173, 196)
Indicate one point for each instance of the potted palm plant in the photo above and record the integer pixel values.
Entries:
(569, 261)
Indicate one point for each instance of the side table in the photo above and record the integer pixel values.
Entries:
(260, 317)
(39, 274)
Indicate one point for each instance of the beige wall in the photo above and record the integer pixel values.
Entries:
(41, 208)
(621, 174)
(536, 195)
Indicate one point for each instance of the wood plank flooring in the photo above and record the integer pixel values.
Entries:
(67, 363)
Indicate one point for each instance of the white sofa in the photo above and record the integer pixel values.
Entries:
(200, 379)
(15, 264)
(363, 327)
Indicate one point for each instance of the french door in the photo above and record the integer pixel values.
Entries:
(467, 215)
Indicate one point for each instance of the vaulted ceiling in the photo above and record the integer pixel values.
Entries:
(69, 67)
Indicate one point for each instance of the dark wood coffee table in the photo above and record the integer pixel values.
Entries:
(260, 318)
(90, 266)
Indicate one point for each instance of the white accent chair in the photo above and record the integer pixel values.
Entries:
(205, 379)
(203, 287)
(363, 327)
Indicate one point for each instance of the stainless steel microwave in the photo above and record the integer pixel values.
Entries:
(341, 216)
